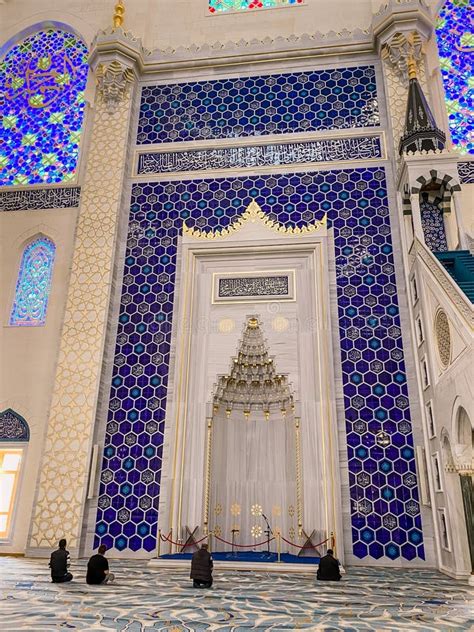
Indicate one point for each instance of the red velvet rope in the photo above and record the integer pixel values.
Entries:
(243, 546)
(165, 538)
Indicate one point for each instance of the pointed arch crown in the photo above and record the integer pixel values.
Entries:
(13, 427)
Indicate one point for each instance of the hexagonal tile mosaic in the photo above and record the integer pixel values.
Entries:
(385, 508)
(253, 106)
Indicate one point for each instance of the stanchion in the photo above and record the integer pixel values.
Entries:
(170, 535)
(333, 542)
(159, 542)
(279, 546)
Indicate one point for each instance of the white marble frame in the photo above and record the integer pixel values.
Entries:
(256, 240)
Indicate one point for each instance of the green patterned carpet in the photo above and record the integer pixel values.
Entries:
(145, 600)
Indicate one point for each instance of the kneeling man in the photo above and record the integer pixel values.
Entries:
(201, 568)
(329, 568)
(98, 568)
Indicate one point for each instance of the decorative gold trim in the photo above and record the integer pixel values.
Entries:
(299, 474)
(207, 482)
(189, 273)
(119, 15)
(324, 386)
(253, 213)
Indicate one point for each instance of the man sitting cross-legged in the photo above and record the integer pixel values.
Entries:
(329, 568)
(59, 563)
(98, 568)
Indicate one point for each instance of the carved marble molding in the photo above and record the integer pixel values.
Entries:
(113, 81)
(305, 41)
(117, 59)
(400, 48)
(402, 16)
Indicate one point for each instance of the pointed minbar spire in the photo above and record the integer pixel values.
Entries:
(119, 14)
(421, 132)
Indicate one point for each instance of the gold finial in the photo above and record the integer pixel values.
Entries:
(119, 14)
(412, 67)
(253, 323)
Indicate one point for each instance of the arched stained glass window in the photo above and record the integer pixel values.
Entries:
(218, 6)
(42, 82)
(34, 284)
(455, 35)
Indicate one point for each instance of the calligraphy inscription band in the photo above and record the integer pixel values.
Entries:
(325, 150)
(254, 286)
(40, 199)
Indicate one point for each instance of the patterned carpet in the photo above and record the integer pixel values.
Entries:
(145, 600)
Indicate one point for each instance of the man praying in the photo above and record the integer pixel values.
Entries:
(201, 568)
(328, 570)
(98, 568)
(59, 564)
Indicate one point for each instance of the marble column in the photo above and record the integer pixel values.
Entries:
(61, 491)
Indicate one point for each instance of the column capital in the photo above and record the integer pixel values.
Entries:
(402, 50)
(400, 29)
(116, 59)
(402, 16)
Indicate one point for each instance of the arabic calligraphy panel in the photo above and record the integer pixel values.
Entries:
(326, 150)
(251, 286)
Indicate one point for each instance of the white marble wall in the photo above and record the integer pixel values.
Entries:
(28, 356)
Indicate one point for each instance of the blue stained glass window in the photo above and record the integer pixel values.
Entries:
(34, 284)
(218, 6)
(455, 35)
(42, 82)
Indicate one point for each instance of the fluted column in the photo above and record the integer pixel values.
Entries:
(62, 485)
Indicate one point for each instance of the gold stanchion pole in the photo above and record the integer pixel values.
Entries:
(333, 543)
(159, 542)
(210, 541)
(279, 546)
(171, 537)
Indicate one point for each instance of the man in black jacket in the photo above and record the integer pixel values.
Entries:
(201, 568)
(329, 568)
(98, 568)
(59, 563)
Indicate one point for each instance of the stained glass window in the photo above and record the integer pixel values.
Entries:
(218, 6)
(455, 35)
(42, 82)
(33, 284)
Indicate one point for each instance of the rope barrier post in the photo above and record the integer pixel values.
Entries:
(279, 546)
(159, 542)
(170, 535)
(210, 542)
(333, 542)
